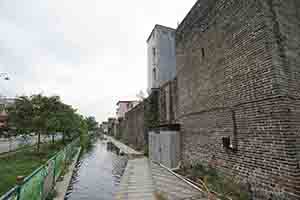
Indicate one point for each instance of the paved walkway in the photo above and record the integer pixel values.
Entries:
(123, 148)
(173, 187)
(136, 183)
(143, 179)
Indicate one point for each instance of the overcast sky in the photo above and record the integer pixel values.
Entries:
(92, 53)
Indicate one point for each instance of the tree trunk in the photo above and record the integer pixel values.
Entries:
(63, 138)
(53, 139)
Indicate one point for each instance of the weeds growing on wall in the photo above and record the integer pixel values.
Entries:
(216, 183)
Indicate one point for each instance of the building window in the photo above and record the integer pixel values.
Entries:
(153, 51)
(154, 74)
(203, 53)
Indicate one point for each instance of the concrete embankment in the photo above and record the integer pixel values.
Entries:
(61, 187)
(146, 180)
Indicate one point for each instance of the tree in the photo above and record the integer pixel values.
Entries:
(92, 124)
(47, 116)
(21, 115)
(53, 122)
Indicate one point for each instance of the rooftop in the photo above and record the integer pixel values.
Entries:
(126, 101)
(158, 26)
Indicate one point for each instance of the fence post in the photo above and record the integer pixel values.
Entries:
(54, 171)
(19, 183)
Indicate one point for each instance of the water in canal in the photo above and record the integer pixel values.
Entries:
(97, 174)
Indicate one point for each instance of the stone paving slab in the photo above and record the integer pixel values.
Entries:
(143, 178)
(136, 183)
(124, 148)
(173, 187)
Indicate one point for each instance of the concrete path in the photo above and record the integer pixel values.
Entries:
(143, 179)
(123, 148)
(136, 183)
(173, 187)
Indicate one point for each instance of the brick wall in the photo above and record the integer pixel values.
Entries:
(238, 77)
(168, 102)
(134, 127)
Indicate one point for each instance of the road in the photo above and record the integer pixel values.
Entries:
(6, 145)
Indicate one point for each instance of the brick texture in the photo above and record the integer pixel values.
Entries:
(133, 129)
(168, 102)
(238, 77)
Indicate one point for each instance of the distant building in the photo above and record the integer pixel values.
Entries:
(5, 101)
(111, 126)
(105, 127)
(3, 119)
(161, 56)
(125, 106)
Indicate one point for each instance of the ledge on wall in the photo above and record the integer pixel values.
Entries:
(166, 127)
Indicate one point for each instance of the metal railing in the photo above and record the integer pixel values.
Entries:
(41, 182)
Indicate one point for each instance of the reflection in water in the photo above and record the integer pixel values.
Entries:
(97, 174)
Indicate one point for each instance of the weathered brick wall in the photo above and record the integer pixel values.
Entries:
(110, 126)
(168, 102)
(286, 15)
(238, 76)
(119, 128)
(134, 128)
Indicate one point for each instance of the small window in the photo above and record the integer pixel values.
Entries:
(203, 53)
(153, 52)
(154, 74)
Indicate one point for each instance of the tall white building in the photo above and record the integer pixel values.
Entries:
(161, 56)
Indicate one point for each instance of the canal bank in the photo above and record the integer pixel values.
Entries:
(103, 174)
(61, 187)
(144, 179)
(97, 174)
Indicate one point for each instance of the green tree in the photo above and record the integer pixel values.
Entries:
(53, 123)
(47, 116)
(21, 115)
(92, 124)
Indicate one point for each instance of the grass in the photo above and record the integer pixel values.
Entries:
(216, 184)
(23, 163)
(160, 196)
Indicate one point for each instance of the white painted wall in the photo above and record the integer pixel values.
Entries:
(163, 60)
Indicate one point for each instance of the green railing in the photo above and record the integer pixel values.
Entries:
(41, 182)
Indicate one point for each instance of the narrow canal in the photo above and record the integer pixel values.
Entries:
(97, 174)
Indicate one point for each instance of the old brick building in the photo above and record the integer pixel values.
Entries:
(133, 128)
(168, 102)
(238, 80)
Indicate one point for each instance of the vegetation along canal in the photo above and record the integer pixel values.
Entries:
(97, 174)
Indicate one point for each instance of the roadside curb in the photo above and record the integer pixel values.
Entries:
(61, 187)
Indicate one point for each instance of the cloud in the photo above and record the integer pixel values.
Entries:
(92, 53)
